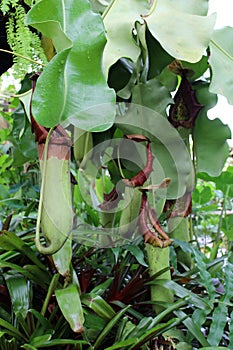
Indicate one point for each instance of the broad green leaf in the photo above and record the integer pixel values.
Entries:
(19, 292)
(187, 35)
(22, 138)
(221, 60)
(209, 136)
(119, 21)
(72, 86)
(49, 19)
(98, 305)
(69, 302)
(211, 151)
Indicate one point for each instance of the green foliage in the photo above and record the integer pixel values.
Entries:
(23, 42)
(221, 51)
(75, 70)
(106, 291)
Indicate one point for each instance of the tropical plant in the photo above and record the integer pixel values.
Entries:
(118, 110)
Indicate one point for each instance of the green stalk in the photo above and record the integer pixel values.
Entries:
(158, 259)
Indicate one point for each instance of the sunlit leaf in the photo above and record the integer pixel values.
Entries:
(119, 21)
(98, 305)
(221, 60)
(69, 302)
(187, 35)
(72, 85)
(19, 292)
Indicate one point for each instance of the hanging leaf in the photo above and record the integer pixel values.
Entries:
(221, 60)
(182, 33)
(212, 151)
(119, 20)
(193, 7)
(72, 86)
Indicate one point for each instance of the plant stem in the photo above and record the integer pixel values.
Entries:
(51, 290)
(108, 9)
(158, 259)
(153, 6)
(24, 57)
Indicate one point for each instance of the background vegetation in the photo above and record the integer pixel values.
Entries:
(102, 66)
